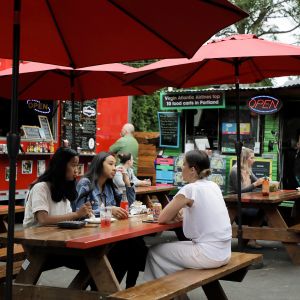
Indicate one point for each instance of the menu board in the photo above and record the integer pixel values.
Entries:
(169, 125)
(31, 132)
(46, 133)
(85, 124)
(218, 169)
(261, 167)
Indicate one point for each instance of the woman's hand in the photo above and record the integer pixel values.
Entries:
(146, 182)
(119, 212)
(125, 177)
(258, 182)
(179, 216)
(85, 210)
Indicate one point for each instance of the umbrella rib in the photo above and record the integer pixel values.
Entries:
(72, 63)
(202, 64)
(39, 77)
(130, 15)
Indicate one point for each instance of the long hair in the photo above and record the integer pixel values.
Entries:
(200, 161)
(55, 174)
(96, 170)
(246, 170)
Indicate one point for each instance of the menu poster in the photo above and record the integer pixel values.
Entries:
(218, 169)
(67, 110)
(85, 124)
(46, 130)
(169, 125)
(31, 132)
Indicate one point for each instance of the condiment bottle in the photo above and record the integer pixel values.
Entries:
(266, 187)
(124, 201)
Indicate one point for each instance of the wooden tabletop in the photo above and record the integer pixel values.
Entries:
(273, 197)
(154, 189)
(4, 209)
(92, 235)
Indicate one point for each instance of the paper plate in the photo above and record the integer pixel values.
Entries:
(97, 220)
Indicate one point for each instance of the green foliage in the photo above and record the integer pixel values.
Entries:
(144, 112)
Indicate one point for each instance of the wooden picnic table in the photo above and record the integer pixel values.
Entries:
(144, 193)
(276, 229)
(4, 213)
(89, 243)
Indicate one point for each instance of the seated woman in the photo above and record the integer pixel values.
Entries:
(126, 163)
(49, 197)
(98, 188)
(249, 183)
(205, 222)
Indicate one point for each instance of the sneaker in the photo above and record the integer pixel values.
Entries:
(253, 244)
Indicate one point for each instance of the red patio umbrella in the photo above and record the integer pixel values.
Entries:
(236, 59)
(44, 82)
(80, 33)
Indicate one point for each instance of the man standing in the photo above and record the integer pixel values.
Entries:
(127, 144)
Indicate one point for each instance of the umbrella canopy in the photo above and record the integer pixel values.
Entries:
(44, 81)
(215, 63)
(239, 58)
(78, 33)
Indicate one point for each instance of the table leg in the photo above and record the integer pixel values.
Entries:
(275, 220)
(214, 291)
(163, 199)
(232, 211)
(102, 274)
(32, 267)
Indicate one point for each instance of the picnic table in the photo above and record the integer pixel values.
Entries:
(276, 229)
(89, 243)
(144, 193)
(4, 213)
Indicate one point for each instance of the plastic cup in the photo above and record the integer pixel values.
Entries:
(105, 216)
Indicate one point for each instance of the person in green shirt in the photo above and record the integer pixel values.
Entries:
(127, 144)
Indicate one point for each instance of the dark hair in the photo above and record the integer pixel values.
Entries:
(96, 169)
(124, 157)
(200, 161)
(55, 174)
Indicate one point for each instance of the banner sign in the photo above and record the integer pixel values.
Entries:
(264, 105)
(192, 100)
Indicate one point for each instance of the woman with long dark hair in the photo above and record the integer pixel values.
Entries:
(97, 187)
(49, 198)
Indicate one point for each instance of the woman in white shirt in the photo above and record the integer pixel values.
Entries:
(126, 163)
(206, 224)
(48, 201)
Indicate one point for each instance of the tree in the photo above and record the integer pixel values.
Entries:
(264, 18)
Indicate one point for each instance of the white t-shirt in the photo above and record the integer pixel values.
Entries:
(207, 221)
(39, 198)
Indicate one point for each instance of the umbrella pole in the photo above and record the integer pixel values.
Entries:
(73, 144)
(13, 144)
(238, 149)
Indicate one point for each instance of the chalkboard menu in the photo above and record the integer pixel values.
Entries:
(46, 133)
(261, 167)
(85, 123)
(31, 132)
(169, 125)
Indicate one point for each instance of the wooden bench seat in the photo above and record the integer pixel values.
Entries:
(186, 280)
(295, 228)
(19, 253)
(16, 269)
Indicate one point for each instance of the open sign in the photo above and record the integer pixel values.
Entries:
(264, 105)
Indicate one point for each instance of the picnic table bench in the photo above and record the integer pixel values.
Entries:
(186, 280)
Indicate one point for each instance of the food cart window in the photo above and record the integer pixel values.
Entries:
(250, 130)
(28, 112)
(202, 125)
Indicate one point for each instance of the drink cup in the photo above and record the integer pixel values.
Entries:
(105, 216)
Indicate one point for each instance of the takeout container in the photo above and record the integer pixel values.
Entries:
(274, 186)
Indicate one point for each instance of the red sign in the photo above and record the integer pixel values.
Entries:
(264, 105)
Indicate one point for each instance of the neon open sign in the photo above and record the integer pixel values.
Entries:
(38, 106)
(264, 105)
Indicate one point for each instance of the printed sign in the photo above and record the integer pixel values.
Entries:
(46, 128)
(264, 105)
(31, 132)
(190, 100)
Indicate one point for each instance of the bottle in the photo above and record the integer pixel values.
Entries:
(266, 187)
(51, 147)
(124, 201)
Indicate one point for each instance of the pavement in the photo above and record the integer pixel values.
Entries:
(275, 279)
